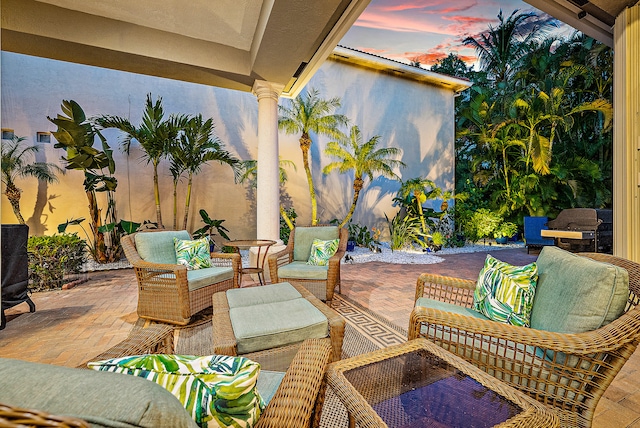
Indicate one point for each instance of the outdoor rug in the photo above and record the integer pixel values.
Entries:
(365, 331)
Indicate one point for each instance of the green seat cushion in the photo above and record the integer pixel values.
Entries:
(157, 247)
(576, 294)
(271, 293)
(425, 302)
(303, 270)
(304, 236)
(268, 383)
(505, 293)
(271, 325)
(203, 277)
(321, 251)
(216, 390)
(194, 254)
(103, 399)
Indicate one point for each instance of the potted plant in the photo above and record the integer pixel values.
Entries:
(504, 231)
(207, 229)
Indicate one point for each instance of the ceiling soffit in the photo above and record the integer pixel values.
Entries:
(223, 43)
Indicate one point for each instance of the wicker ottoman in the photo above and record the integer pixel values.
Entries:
(267, 324)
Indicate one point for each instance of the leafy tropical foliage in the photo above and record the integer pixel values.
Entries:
(534, 133)
(76, 135)
(306, 115)
(17, 162)
(156, 135)
(364, 159)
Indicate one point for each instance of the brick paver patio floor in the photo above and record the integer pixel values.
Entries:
(72, 326)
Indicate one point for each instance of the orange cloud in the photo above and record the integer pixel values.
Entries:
(428, 6)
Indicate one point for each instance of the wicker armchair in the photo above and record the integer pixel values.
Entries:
(323, 280)
(567, 372)
(163, 289)
(297, 402)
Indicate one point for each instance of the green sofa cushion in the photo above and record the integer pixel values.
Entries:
(271, 293)
(302, 270)
(425, 302)
(576, 294)
(203, 277)
(268, 383)
(216, 390)
(272, 325)
(157, 247)
(304, 236)
(103, 399)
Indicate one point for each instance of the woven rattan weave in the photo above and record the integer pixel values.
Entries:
(567, 372)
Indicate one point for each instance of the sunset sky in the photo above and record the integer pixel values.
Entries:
(427, 30)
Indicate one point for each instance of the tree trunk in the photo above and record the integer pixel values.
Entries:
(357, 187)
(175, 205)
(187, 202)
(99, 246)
(286, 218)
(305, 144)
(13, 194)
(156, 194)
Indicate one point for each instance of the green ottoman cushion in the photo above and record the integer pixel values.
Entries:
(576, 294)
(271, 325)
(304, 236)
(271, 293)
(303, 270)
(103, 399)
(158, 247)
(203, 277)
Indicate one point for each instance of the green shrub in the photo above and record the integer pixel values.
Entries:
(53, 258)
(482, 224)
(405, 232)
(284, 228)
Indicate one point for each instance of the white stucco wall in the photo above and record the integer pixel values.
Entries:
(414, 116)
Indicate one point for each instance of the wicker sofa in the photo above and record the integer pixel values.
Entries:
(297, 401)
(569, 372)
(167, 291)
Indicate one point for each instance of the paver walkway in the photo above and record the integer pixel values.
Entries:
(72, 326)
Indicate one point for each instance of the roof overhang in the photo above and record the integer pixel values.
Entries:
(399, 69)
(226, 43)
(594, 18)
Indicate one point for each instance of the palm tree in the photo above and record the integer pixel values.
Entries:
(414, 190)
(500, 49)
(155, 136)
(16, 163)
(364, 159)
(196, 146)
(309, 113)
(250, 173)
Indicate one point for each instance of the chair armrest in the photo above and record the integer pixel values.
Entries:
(278, 259)
(154, 339)
(609, 337)
(224, 341)
(232, 260)
(302, 388)
(445, 289)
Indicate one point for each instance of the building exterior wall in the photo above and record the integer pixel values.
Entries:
(413, 116)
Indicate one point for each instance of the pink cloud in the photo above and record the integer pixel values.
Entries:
(396, 23)
(428, 6)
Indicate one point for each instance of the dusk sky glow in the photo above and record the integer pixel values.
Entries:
(428, 30)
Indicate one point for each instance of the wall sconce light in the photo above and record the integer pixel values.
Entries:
(582, 14)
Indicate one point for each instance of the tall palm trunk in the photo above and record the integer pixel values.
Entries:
(420, 213)
(94, 213)
(305, 144)
(286, 218)
(358, 183)
(13, 194)
(156, 194)
(175, 204)
(187, 201)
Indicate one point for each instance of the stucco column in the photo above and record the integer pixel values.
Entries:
(268, 192)
(626, 135)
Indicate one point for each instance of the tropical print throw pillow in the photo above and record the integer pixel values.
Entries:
(505, 293)
(216, 390)
(193, 254)
(321, 251)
